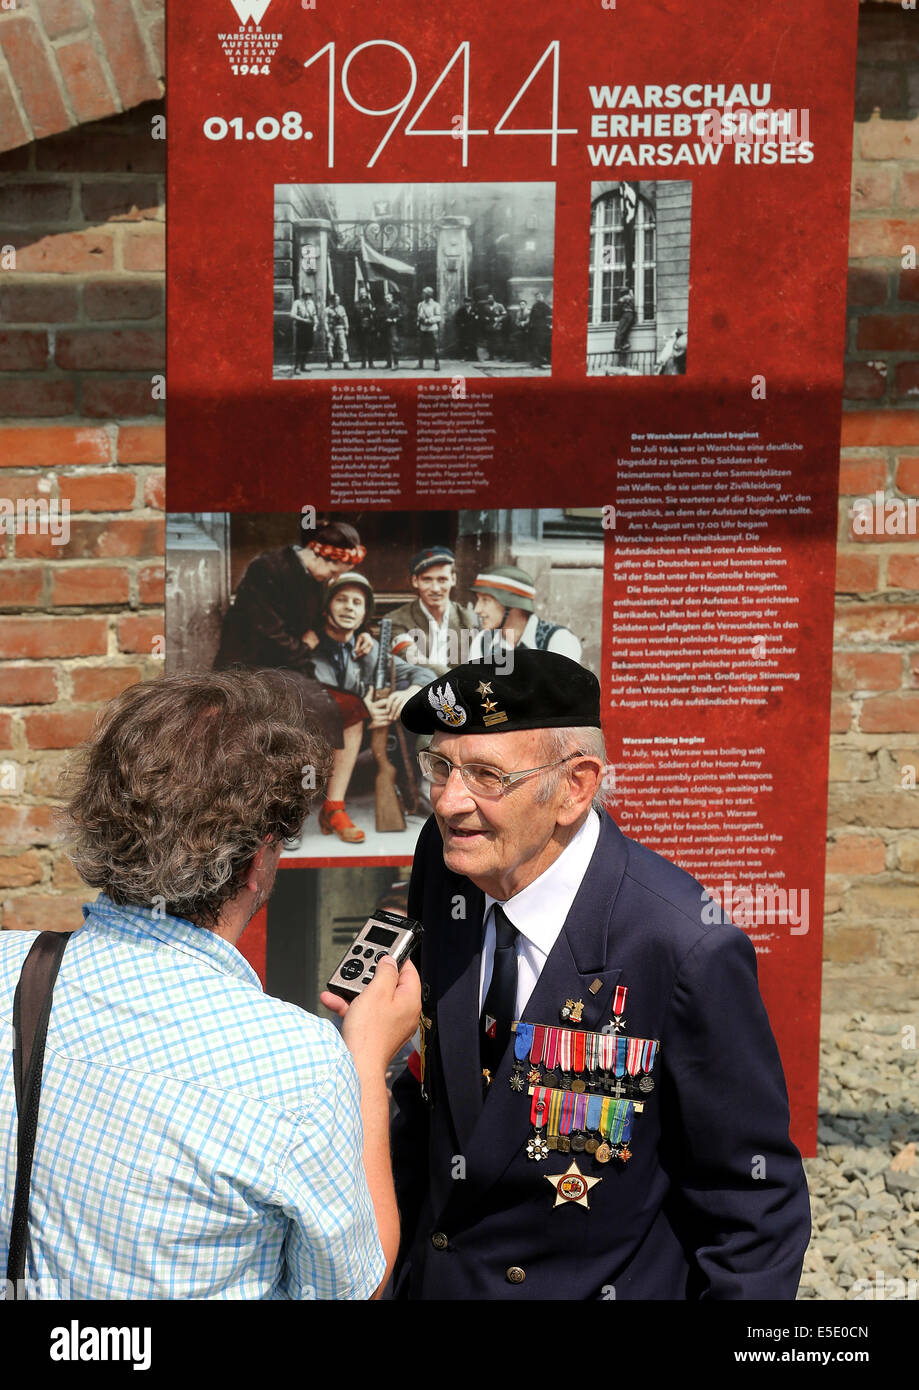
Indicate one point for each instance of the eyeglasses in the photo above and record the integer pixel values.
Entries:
(479, 777)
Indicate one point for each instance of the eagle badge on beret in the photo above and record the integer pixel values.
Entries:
(445, 705)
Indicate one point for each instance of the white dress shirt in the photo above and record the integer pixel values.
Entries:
(538, 912)
(438, 636)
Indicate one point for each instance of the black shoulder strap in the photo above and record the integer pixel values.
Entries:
(31, 1011)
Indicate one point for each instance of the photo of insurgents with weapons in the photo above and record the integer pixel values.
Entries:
(366, 607)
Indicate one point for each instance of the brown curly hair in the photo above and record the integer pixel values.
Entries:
(184, 779)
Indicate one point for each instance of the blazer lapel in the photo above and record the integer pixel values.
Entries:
(458, 969)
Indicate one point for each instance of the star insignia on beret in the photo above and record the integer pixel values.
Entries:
(484, 688)
(571, 1186)
(489, 705)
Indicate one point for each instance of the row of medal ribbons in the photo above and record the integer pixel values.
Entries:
(564, 1049)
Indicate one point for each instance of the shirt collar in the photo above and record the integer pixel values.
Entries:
(145, 924)
(438, 622)
(539, 910)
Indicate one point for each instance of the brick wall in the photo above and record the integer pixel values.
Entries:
(80, 336)
(81, 347)
(872, 914)
(65, 62)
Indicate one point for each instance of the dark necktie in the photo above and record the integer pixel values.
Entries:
(500, 1005)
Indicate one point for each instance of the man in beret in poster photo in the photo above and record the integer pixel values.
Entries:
(598, 1108)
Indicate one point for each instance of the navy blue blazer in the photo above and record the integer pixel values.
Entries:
(713, 1202)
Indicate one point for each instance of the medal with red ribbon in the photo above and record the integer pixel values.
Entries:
(537, 1148)
(617, 1023)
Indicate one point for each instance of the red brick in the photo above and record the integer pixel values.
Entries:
(158, 38)
(867, 284)
(27, 685)
(124, 48)
(867, 670)
(142, 444)
(45, 912)
(13, 131)
(6, 731)
(903, 572)
(37, 637)
(908, 286)
(13, 161)
(45, 446)
(22, 350)
(34, 76)
(66, 253)
(144, 248)
(109, 147)
(123, 299)
(24, 397)
(89, 584)
(889, 332)
(20, 485)
(840, 715)
(58, 728)
(907, 379)
(38, 303)
(876, 622)
(864, 381)
(99, 492)
(28, 825)
(25, 204)
(893, 714)
(880, 138)
(879, 236)
(62, 17)
(856, 854)
(44, 775)
(864, 474)
(98, 540)
(66, 877)
(110, 349)
(20, 870)
(103, 682)
(155, 491)
(85, 81)
(151, 584)
(20, 586)
(856, 574)
(908, 193)
(872, 188)
(878, 429)
(908, 475)
(116, 200)
(914, 668)
(137, 632)
(108, 398)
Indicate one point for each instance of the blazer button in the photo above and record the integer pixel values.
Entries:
(439, 1240)
(515, 1275)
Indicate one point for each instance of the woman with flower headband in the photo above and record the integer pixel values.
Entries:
(276, 617)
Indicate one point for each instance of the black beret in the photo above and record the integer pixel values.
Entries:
(524, 689)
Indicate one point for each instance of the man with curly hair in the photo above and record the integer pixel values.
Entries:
(196, 1138)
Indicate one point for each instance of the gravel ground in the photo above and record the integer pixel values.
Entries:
(864, 1182)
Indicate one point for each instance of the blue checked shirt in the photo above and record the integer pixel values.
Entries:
(197, 1139)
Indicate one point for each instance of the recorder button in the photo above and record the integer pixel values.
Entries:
(365, 980)
(381, 954)
(356, 951)
(369, 952)
(350, 969)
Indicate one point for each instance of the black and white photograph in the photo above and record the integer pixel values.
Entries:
(383, 280)
(639, 278)
(364, 610)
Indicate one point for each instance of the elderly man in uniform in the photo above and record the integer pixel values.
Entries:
(601, 1111)
(432, 628)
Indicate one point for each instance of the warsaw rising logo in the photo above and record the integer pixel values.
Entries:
(249, 48)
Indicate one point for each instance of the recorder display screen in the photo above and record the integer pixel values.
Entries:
(380, 936)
